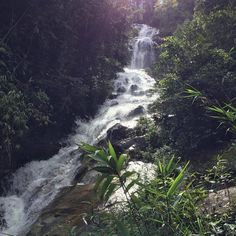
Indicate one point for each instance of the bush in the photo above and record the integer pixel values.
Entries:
(172, 203)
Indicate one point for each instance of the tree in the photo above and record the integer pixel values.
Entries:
(197, 56)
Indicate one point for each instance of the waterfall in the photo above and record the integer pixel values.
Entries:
(35, 185)
(143, 53)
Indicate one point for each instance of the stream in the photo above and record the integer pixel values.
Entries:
(35, 185)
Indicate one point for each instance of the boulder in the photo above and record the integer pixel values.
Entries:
(221, 201)
(117, 133)
(124, 140)
(114, 103)
(137, 112)
(113, 96)
(138, 142)
(133, 88)
(121, 90)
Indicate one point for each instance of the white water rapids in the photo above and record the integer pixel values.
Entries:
(36, 184)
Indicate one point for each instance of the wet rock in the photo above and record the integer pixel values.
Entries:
(113, 96)
(117, 132)
(114, 103)
(136, 112)
(66, 211)
(133, 143)
(121, 90)
(133, 88)
(123, 138)
(81, 172)
(90, 177)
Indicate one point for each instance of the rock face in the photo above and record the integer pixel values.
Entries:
(67, 211)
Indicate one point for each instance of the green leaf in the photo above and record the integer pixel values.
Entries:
(169, 166)
(97, 158)
(130, 185)
(146, 208)
(110, 191)
(113, 164)
(155, 220)
(136, 199)
(177, 182)
(160, 167)
(99, 181)
(112, 151)
(127, 174)
(122, 230)
(179, 197)
(88, 148)
(105, 186)
(121, 162)
(151, 190)
(103, 169)
(102, 154)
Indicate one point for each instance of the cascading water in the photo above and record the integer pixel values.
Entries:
(143, 53)
(36, 184)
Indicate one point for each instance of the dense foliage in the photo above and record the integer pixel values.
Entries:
(57, 61)
(174, 201)
(200, 56)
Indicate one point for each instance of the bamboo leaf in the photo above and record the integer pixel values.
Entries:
(121, 162)
(179, 197)
(99, 181)
(105, 186)
(102, 154)
(130, 185)
(110, 191)
(88, 148)
(103, 169)
(177, 182)
(112, 151)
(97, 158)
(113, 164)
(127, 174)
(160, 167)
(169, 166)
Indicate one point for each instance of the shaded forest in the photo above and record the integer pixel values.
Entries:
(57, 63)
